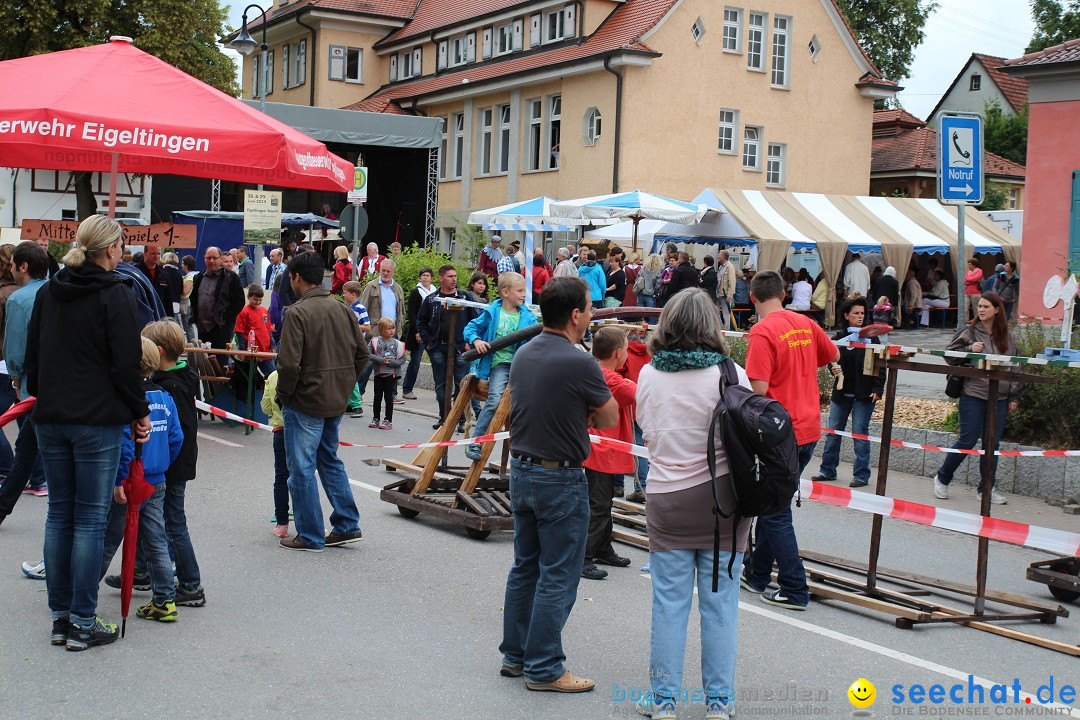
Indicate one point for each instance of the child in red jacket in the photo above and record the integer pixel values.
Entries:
(607, 464)
(253, 322)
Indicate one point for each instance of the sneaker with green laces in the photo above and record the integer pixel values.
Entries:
(99, 633)
(162, 612)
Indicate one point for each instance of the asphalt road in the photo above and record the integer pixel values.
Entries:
(407, 623)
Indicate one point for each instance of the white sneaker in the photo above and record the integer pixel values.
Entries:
(996, 498)
(941, 490)
(34, 572)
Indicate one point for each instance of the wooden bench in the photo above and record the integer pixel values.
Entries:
(944, 314)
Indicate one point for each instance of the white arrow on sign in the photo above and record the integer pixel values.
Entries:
(965, 188)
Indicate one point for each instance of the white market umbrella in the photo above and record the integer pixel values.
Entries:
(635, 205)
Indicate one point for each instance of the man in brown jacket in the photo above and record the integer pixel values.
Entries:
(321, 354)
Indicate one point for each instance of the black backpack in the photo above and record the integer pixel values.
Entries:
(763, 458)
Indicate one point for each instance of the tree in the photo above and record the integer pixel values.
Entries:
(889, 31)
(1055, 22)
(996, 197)
(183, 34)
(1005, 134)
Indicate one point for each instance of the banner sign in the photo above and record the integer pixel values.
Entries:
(262, 217)
(159, 235)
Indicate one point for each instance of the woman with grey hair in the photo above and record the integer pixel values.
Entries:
(676, 395)
(649, 276)
(83, 357)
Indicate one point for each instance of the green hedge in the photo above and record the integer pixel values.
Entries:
(414, 258)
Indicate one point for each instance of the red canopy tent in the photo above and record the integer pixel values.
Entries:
(114, 108)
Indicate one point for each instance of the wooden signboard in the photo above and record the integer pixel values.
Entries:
(159, 235)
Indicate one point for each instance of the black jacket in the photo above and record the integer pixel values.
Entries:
(684, 276)
(169, 284)
(855, 380)
(83, 350)
(412, 310)
(887, 286)
(228, 303)
(182, 384)
(708, 281)
(433, 314)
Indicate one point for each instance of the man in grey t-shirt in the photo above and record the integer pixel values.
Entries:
(557, 393)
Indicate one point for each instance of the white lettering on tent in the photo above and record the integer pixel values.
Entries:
(142, 137)
(36, 127)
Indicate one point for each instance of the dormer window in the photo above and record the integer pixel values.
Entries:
(975, 82)
(554, 27)
(504, 39)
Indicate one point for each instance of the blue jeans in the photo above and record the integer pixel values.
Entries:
(673, 578)
(646, 300)
(80, 464)
(551, 519)
(438, 368)
(152, 544)
(412, 370)
(642, 462)
(860, 411)
(311, 444)
(497, 382)
(176, 532)
(972, 412)
(774, 540)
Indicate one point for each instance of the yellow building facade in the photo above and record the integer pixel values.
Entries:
(595, 96)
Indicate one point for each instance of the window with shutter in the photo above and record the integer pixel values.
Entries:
(471, 53)
(300, 76)
(393, 68)
(504, 40)
(417, 61)
(535, 23)
(285, 66)
(354, 65)
(485, 44)
(336, 68)
(269, 72)
(255, 76)
(519, 34)
(441, 62)
(569, 18)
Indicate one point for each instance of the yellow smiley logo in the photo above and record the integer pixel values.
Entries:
(862, 693)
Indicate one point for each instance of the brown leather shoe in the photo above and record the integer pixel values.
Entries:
(568, 683)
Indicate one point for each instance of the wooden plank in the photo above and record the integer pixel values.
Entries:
(630, 538)
(417, 470)
(468, 502)
(961, 589)
(859, 587)
(503, 498)
(1015, 634)
(621, 504)
(444, 433)
(494, 503)
(819, 590)
(498, 422)
(629, 520)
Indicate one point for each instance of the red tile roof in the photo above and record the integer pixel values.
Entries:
(898, 116)
(436, 14)
(402, 9)
(1014, 89)
(1066, 52)
(621, 31)
(916, 150)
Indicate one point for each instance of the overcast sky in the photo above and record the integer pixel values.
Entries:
(957, 29)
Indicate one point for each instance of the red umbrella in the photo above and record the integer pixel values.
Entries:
(114, 108)
(137, 491)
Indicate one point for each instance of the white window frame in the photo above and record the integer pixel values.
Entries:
(697, 30)
(1014, 198)
(559, 19)
(755, 61)
(814, 48)
(502, 32)
(285, 68)
(592, 126)
(975, 82)
(300, 64)
(485, 156)
(534, 142)
(732, 34)
(776, 165)
(457, 135)
(731, 125)
(359, 52)
(781, 52)
(405, 68)
(458, 44)
(444, 147)
(751, 148)
(502, 139)
(553, 144)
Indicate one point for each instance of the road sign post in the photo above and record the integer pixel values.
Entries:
(351, 225)
(960, 181)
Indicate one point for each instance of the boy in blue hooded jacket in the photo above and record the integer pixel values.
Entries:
(159, 452)
(496, 321)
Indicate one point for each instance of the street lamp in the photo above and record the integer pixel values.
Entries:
(245, 45)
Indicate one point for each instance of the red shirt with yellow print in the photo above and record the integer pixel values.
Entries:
(785, 350)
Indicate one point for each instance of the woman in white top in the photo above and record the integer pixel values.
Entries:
(676, 395)
(801, 292)
(938, 297)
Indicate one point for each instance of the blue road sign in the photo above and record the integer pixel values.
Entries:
(960, 159)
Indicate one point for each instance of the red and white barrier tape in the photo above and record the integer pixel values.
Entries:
(934, 448)
(1008, 531)
(490, 437)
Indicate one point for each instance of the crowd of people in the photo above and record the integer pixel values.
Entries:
(129, 386)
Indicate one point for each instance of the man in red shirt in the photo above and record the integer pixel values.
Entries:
(784, 353)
